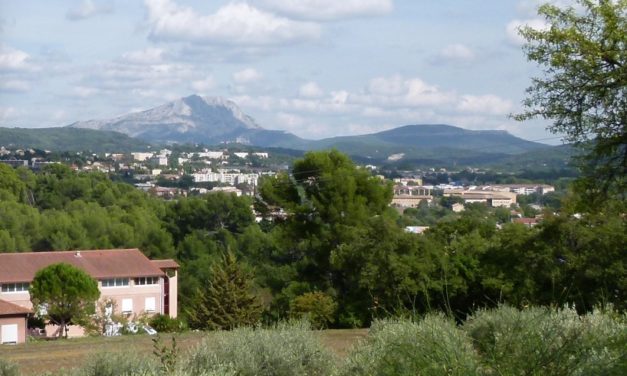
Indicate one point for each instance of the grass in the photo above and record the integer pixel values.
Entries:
(37, 357)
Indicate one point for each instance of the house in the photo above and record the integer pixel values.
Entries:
(13, 323)
(136, 284)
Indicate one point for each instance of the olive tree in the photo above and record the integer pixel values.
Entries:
(65, 294)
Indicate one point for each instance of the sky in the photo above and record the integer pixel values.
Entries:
(316, 68)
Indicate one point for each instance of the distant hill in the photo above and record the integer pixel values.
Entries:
(193, 119)
(69, 139)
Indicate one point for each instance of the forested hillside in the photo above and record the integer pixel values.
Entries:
(337, 249)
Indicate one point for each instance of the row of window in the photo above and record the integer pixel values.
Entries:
(110, 282)
(150, 305)
(119, 282)
(15, 287)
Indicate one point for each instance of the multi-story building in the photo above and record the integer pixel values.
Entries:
(134, 284)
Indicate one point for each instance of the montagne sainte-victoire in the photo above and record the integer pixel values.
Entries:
(213, 121)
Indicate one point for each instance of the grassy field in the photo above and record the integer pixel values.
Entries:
(37, 357)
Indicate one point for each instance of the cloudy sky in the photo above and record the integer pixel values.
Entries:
(316, 68)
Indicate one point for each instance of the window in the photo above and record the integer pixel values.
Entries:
(150, 305)
(127, 305)
(115, 282)
(15, 287)
(141, 281)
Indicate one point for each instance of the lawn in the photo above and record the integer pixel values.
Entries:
(37, 357)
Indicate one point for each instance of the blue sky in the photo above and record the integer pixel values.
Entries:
(316, 68)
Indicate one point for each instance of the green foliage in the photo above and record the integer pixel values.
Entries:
(431, 346)
(167, 355)
(8, 369)
(116, 364)
(286, 349)
(67, 293)
(317, 307)
(226, 301)
(582, 90)
(166, 324)
(542, 341)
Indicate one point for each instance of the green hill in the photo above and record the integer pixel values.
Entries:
(69, 139)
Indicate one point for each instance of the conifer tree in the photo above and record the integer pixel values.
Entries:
(226, 301)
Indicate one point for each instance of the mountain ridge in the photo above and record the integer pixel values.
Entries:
(215, 120)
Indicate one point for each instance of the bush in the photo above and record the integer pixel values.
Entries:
(432, 346)
(286, 349)
(543, 341)
(114, 364)
(8, 369)
(167, 324)
(317, 307)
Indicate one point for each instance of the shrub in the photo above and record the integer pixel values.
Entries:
(8, 369)
(317, 307)
(166, 324)
(543, 341)
(286, 349)
(117, 364)
(432, 346)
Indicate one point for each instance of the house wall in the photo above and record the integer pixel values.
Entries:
(20, 320)
(138, 294)
(173, 293)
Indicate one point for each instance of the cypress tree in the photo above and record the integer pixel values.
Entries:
(226, 301)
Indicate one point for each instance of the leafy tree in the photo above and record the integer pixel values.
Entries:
(226, 301)
(318, 307)
(67, 293)
(583, 55)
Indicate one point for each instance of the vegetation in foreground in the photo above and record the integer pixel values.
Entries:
(501, 341)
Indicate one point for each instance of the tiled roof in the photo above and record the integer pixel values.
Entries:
(100, 264)
(7, 308)
(165, 264)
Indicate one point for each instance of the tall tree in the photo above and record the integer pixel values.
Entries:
(583, 54)
(227, 300)
(65, 293)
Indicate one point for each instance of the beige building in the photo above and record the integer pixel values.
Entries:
(410, 196)
(136, 284)
(491, 198)
(13, 322)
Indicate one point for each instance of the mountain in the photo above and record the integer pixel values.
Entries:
(193, 119)
(69, 139)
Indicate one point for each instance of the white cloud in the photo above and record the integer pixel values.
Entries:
(457, 53)
(247, 76)
(85, 91)
(485, 104)
(512, 29)
(234, 23)
(14, 86)
(13, 60)
(310, 90)
(8, 113)
(89, 8)
(290, 121)
(326, 10)
(203, 86)
(145, 56)
(399, 91)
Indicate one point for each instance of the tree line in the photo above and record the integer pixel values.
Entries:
(338, 253)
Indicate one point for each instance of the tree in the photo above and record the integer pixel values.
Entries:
(67, 294)
(226, 301)
(584, 86)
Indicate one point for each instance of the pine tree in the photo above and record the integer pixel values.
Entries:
(226, 301)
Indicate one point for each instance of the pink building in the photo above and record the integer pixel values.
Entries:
(136, 284)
